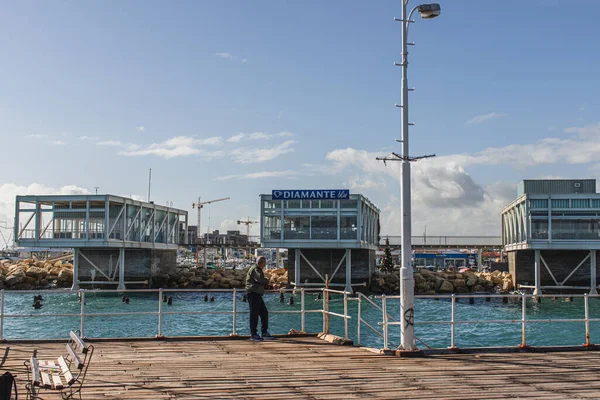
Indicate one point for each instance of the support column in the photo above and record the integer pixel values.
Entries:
(75, 269)
(479, 259)
(537, 268)
(297, 268)
(348, 287)
(593, 283)
(121, 285)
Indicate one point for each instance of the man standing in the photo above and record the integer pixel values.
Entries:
(255, 286)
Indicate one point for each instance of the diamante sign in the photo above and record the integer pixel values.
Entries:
(311, 194)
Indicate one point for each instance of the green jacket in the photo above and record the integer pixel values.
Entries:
(255, 280)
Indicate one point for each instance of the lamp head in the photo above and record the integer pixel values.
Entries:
(429, 11)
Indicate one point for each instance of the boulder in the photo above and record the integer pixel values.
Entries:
(446, 287)
(234, 283)
(65, 276)
(459, 283)
(472, 282)
(36, 272)
(478, 288)
(15, 278)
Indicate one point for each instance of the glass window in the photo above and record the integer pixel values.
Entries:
(596, 203)
(324, 227)
(348, 227)
(575, 229)
(305, 203)
(272, 204)
(348, 204)
(293, 204)
(296, 227)
(539, 229)
(272, 227)
(328, 204)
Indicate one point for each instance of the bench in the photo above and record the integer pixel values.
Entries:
(64, 374)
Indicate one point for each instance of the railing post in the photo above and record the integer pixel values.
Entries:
(82, 323)
(234, 333)
(327, 304)
(385, 322)
(324, 294)
(452, 325)
(160, 316)
(346, 316)
(523, 321)
(587, 320)
(358, 320)
(302, 310)
(2, 315)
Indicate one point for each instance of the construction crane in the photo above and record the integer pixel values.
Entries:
(247, 222)
(199, 205)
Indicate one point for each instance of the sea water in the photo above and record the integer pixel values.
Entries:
(190, 315)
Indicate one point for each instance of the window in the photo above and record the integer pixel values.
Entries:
(539, 229)
(328, 204)
(580, 203)
(348, 227)
(296, 227)
(272, 227)
(293, 204)
(538, 203)
(575, 229)
(324, 227)
(348, 204)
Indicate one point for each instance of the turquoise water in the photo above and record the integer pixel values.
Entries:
(38, 324)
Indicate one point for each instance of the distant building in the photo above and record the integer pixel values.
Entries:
(551, 232)
(231, 238)
(192, 234)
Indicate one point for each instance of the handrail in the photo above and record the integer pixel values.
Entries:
(453, 322)
(159, 313)
(327, 313)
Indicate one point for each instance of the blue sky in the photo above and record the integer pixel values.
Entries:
(232, 98)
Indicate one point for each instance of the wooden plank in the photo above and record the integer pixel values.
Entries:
(79, 344)
(46, 382)
(66, 371)
(74, 357)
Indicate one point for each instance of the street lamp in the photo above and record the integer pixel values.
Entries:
(407, 282)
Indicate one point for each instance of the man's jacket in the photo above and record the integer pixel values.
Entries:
(255, 280)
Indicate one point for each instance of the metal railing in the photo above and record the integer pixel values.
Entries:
(160, 313)
(453, 322)
(327, 313)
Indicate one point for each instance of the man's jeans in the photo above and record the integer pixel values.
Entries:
(258, 309)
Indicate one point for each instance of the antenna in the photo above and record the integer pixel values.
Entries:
(96, 187)
(149, 183)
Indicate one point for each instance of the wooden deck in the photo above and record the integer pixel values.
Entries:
(309, 368)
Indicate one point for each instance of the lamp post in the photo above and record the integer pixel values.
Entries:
(407, 282)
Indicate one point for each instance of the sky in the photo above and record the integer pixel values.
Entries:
(234, 99)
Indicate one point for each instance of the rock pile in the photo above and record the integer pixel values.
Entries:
(33, 274)
(429, 283)
(199, 278)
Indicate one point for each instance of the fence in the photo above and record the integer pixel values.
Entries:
(387, 320)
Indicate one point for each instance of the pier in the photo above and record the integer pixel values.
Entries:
(310, 368)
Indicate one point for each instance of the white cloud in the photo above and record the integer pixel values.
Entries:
(232, 225)
(249, 155)
(57, 142)
(259, 175)
(141, 128)
(484, 117)
(179, 146)
(589, 131)
(91, 138)
(257, 136)
(36, 136)
(229, 56)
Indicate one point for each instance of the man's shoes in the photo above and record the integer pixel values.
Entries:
(267, 336)
(256, 338)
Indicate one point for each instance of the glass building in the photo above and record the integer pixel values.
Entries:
(322, 234)
(553, 226)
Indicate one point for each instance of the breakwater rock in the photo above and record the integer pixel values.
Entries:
(429, 283)
(33, 274)
(200, 278)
